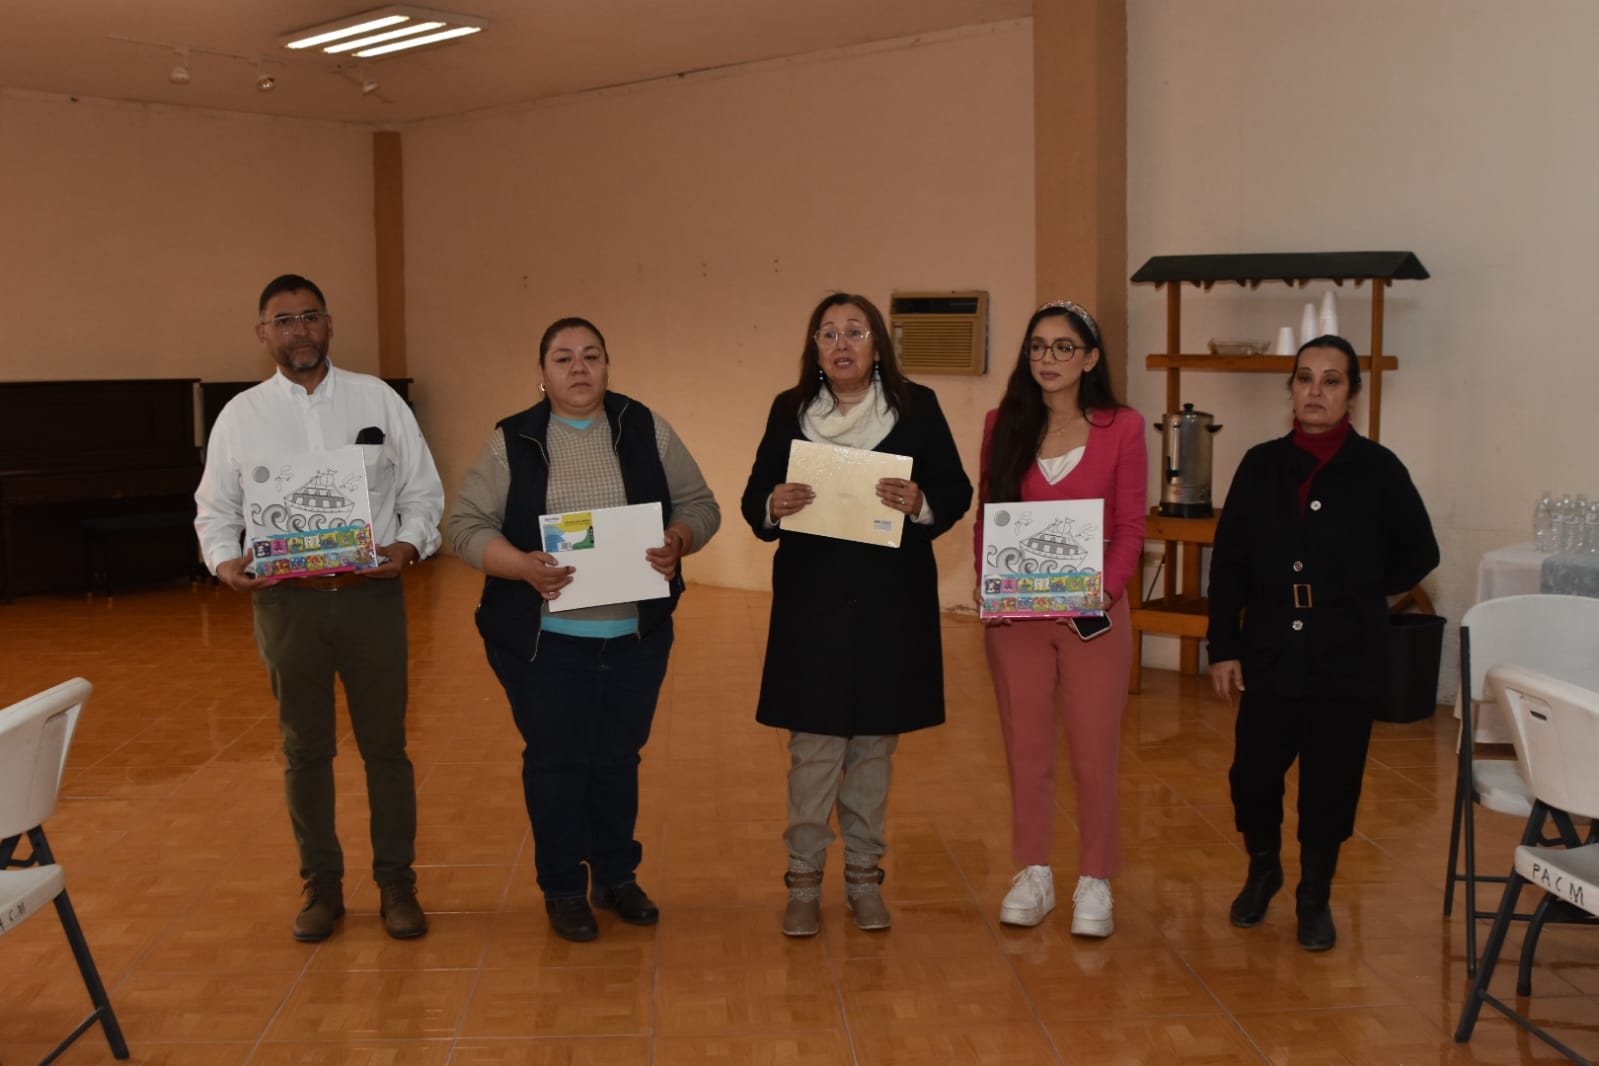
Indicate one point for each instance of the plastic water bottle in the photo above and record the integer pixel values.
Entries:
(1563, 508)
(1574, 524)
(1543, 523)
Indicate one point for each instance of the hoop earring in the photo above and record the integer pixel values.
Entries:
(541, 386)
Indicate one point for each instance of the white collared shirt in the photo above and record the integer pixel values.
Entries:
(278, 418)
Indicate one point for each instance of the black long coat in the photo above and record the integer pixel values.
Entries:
(854, 646)
(1364, 536)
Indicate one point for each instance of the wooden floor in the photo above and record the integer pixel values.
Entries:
(180, 860)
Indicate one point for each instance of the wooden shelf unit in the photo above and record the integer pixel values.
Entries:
(1180, 611)
(1245, 364)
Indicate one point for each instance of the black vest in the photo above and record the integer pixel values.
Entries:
(509, 615)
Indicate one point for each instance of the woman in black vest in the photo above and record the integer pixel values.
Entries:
(583, 683)
(853, 655)
(1319, 528)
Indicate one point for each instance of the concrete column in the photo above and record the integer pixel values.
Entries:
(1080, 164)
(388, 208)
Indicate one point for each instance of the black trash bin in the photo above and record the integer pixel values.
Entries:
(1415, 650)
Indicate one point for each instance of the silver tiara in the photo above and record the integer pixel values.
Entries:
(1080, 312)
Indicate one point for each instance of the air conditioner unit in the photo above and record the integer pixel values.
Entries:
(940, 332)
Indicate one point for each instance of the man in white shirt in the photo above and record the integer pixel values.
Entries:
(350, 625)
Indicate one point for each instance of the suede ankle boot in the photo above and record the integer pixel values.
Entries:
(862, 897)
(1264, 880)
(1317, 864)
(803, 915)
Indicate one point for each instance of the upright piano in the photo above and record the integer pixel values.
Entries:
(97, 483)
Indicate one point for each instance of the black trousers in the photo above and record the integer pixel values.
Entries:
(1329, 737)
(584, 706)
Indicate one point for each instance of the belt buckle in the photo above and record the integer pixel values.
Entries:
(1302, 597)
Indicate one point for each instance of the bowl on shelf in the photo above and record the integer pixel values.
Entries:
(1235, 347)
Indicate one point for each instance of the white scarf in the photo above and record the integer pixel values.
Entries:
(862, 426)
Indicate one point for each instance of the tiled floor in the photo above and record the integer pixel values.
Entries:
(180, 861)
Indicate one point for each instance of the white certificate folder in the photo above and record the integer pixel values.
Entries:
(845, 482)
(606, 547)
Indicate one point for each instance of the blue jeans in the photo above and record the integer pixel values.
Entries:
(584, 707)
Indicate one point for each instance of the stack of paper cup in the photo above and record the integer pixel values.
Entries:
(1327, 321)
(1307, 324)
(1285, 342)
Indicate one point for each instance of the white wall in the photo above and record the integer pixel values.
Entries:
(1459, 129)
(135, 239)
(697, 221)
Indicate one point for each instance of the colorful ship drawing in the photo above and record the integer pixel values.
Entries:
(1055, 543)
(321, 501)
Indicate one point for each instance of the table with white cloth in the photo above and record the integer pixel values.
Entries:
(1510, 571)
(1520, 570)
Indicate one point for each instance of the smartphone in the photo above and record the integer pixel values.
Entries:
(1090, 626)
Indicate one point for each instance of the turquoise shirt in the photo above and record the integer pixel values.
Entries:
(574, 627)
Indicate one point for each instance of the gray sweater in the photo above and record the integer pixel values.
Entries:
(584, 475)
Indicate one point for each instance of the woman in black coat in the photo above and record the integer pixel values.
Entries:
(853, 655)
(1320, 527)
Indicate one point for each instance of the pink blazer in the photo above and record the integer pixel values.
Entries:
(1115, 468)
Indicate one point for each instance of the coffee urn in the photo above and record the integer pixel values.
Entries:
(1185, 480)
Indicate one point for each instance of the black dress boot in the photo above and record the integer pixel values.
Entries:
(1317, 864)
(1265, 878)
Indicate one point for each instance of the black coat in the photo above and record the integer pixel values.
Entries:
(1365, 536)
(854, 646)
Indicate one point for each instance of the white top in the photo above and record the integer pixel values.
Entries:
(1058, 466)
(278, 417)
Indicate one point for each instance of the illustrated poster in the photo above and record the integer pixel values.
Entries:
(309, 515)
(1043, 559)
(845, 482)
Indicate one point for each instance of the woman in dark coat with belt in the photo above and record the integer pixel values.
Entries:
(1320, 527)
(853, 655)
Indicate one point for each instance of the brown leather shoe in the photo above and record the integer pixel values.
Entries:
(402, 914)
(324, 906)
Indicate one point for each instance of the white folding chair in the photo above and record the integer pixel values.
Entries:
(1556, 730)
(1553, 634)
(34, 737)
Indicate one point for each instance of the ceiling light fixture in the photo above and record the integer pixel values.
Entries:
(384, 30)
(263, 80)
(378, 38)
(418, 42)
(317, 35)
(180, 73)
(369, 86)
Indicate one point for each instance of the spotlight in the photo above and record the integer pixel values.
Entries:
(369, 86)
(264, 81)
(180, 73)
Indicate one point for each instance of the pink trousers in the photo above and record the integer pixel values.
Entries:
(1044, 675)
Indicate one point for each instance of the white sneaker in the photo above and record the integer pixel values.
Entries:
(1031, 896)
(1093, 911)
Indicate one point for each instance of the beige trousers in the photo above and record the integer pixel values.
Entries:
(852, 773)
